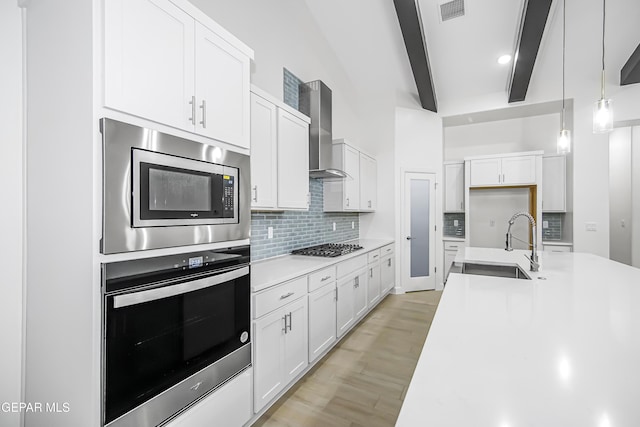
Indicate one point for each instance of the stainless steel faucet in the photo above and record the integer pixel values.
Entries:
(533, 259)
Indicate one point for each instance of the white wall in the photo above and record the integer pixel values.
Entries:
(11, 214)
(502, 136)
(418, 148)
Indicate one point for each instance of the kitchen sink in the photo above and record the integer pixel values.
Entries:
(512, 271)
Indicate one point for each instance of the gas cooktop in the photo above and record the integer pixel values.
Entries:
(327, 250)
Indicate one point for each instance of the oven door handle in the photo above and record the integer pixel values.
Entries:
(140, 297)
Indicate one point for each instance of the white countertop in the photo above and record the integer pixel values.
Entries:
(556, 243)
(564, 351)
(270, 272)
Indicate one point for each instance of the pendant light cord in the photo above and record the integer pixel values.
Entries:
(564, 22)
(604, 11)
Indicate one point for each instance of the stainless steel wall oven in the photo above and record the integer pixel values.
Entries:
(163, 191)
(174, 328)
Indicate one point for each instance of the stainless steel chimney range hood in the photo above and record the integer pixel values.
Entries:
(315, 101)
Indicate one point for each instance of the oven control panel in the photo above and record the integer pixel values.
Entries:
(228, 193)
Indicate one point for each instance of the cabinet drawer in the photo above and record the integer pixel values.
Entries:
(373, 256)
(386, 250)
(278, 296)
(352, 265)
(452, 246)
(321, 278)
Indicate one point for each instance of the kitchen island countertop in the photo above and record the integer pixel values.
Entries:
(562, 349)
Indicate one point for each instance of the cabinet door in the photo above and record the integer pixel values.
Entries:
(368, 183)
(293, 162)
(345, 305)
(554, 184)
(485, 172)
(264, 152)
(387, 274)
(373, 284)
(269, 357)
(222, 89)
(149, 61)
(351, 182)
(322, 320)
(519, 170)
(360, 294)
(454, 187)
(296, 339)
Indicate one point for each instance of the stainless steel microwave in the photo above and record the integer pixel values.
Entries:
(163, 191)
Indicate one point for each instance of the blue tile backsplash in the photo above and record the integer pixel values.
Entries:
(451, 230)
(291, 89)
(553, 231)
(299, 229)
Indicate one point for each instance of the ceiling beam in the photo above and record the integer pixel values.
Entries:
(532, 26)
(630, 73)
(409, 19)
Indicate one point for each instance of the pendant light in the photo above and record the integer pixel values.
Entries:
(602, 109)
(564, 137)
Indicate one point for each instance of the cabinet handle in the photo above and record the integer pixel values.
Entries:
(461, 206)
(371, 272)
(290, 321)
(336, 294)
(308, 199)
(192, 119)
(255, 196)
(325, 278)
(503, 180)
(499, 179)
(203, 107)
(347, 202)
(286, 295)
(357, 282)
(369, 203)
(285, 323)
(389, 263)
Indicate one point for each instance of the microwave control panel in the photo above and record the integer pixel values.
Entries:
(228, 192)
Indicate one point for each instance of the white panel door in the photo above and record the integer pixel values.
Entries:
(352, 181)
(296, 339)
(373, 284)
(418, 226)
(222, 89)
(485, 172)
(454, 187)
(368, 183)
(322, 320)
(519, 170)
(387, 274)
(149, 61)
(264, 145)
(293, 162)
(344, 305)
(554, 178)
(360, 293)
(268, 358)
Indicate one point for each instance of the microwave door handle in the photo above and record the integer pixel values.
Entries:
(140, 297)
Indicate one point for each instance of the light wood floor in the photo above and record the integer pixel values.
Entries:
(362, 381)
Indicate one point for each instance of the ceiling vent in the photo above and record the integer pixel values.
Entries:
(451, 9)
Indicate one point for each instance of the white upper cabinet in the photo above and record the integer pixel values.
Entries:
(163, 65)
(368, 183)
(222, 89)
(293, 162)
(358, 191)
(280, 153)
(149, 60)
(454, 187)
(554, 181)
(264, 151)
(512, 170)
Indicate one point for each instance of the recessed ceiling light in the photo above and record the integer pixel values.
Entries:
(504, 59)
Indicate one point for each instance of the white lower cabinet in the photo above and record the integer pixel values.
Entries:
(322, 320)
(231, 403)
(352, 300)
(280, 350)
(450, 251)
(387, 274)
(373, 284)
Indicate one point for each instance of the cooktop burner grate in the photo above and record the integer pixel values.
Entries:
(328, 250)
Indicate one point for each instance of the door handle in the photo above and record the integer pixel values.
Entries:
(410, 238)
